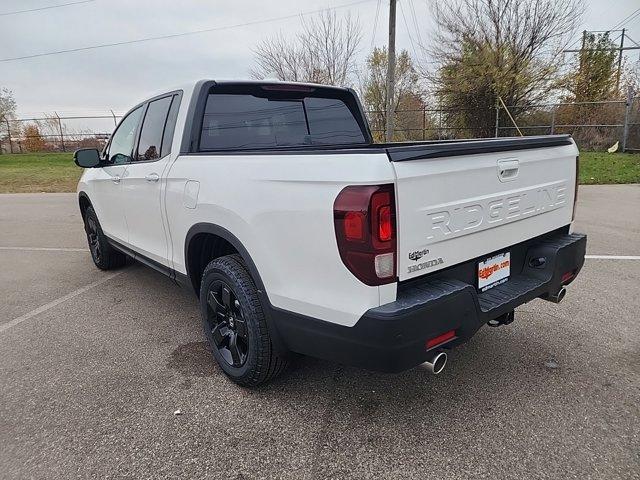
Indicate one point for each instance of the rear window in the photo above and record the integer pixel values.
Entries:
(234, 121)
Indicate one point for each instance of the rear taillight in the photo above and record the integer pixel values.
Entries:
(575, 193)
(365, 222)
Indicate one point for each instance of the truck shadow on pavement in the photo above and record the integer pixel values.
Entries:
(193, 359)
(498, 368)
(477, 369)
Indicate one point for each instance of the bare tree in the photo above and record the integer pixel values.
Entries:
(323, 52)
(510, 49)
(7, 103)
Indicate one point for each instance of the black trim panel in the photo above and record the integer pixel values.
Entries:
(141, 258)
(473, 147)
(180, 278)
(315, 150)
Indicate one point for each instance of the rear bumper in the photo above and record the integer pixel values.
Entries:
(392, 337)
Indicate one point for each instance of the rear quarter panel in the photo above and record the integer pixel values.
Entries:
(280, 207)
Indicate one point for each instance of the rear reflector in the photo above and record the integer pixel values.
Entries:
(440, 339)
(568, 276)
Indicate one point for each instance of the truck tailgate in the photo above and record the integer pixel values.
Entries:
(467, 199)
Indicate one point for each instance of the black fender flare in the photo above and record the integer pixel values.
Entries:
(222, 232)
(229, 237)
(83, 195)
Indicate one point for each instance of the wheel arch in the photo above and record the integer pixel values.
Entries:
(203, 228)
(83, 202)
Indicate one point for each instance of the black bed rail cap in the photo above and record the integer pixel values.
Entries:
(402, 153)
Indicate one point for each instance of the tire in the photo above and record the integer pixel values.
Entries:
(235, 325)
(104, 256)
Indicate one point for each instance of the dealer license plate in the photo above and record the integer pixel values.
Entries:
(493, 271)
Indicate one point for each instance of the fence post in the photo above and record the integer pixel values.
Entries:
(553, 120)
(9, 134)
(497, 119)
(61, 134)
(627, 114)
(424, 122)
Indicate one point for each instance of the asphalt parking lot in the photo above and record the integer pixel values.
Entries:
(93, 366)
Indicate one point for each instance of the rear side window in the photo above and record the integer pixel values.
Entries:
(150, 144)
(242, 121)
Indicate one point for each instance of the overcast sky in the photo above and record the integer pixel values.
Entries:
(95, 81)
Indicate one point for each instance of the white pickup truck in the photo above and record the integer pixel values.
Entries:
(299, 234)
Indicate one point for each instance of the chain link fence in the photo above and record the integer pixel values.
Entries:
(594, 125)
(56, 133)
(425, 124)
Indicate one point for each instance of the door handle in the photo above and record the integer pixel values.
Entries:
(152, 177)
(115, 179)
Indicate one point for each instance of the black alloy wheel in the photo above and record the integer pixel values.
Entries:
(227, 324)
(235, 324)
(104, 256)
(92, 238)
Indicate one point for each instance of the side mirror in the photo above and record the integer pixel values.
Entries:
(87, 157)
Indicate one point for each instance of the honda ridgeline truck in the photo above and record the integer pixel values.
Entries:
(300, 234)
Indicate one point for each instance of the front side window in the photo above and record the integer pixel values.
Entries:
(150, 145)
(122, 140)
(236, 121)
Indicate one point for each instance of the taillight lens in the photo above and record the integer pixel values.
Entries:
(385, 231)
(365, 224)
(354, 226)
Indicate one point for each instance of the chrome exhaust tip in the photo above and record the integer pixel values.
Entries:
(437, 362)
(558, 296)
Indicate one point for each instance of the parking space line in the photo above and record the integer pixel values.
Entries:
(46, 249)
(16, 321)
(613, 257)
